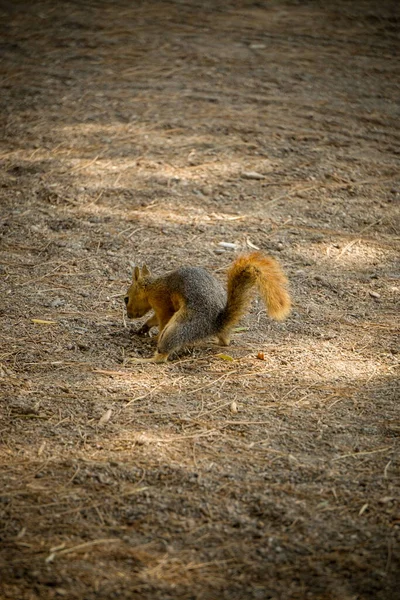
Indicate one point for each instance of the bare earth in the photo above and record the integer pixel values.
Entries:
(150, 132)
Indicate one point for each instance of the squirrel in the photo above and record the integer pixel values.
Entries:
(190, 304)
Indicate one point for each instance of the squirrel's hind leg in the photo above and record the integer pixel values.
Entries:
(182, 330)
(224, 338)
(157, 358)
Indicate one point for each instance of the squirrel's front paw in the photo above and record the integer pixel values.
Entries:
(142, 330)
(146, 333)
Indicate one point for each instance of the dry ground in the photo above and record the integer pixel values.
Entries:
(153, 131)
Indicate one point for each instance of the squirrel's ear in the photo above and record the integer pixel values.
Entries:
(145, 271)
(136, 273)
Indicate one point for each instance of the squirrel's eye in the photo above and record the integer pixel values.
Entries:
(126, 299)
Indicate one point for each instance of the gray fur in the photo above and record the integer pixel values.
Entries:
(205, 300)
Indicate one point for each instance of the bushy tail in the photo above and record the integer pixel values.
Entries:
(263, 273)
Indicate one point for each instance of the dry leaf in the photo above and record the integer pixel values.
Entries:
(50, 558)
(106, 417)
(41, 449)
(225, 357)
(252, 175)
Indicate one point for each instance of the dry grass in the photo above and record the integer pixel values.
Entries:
(151, 132)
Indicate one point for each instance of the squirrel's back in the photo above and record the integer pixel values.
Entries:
(198, 288)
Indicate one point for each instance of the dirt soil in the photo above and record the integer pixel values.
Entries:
(158, 132)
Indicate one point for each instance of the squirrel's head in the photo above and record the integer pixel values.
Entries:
(136, 299)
